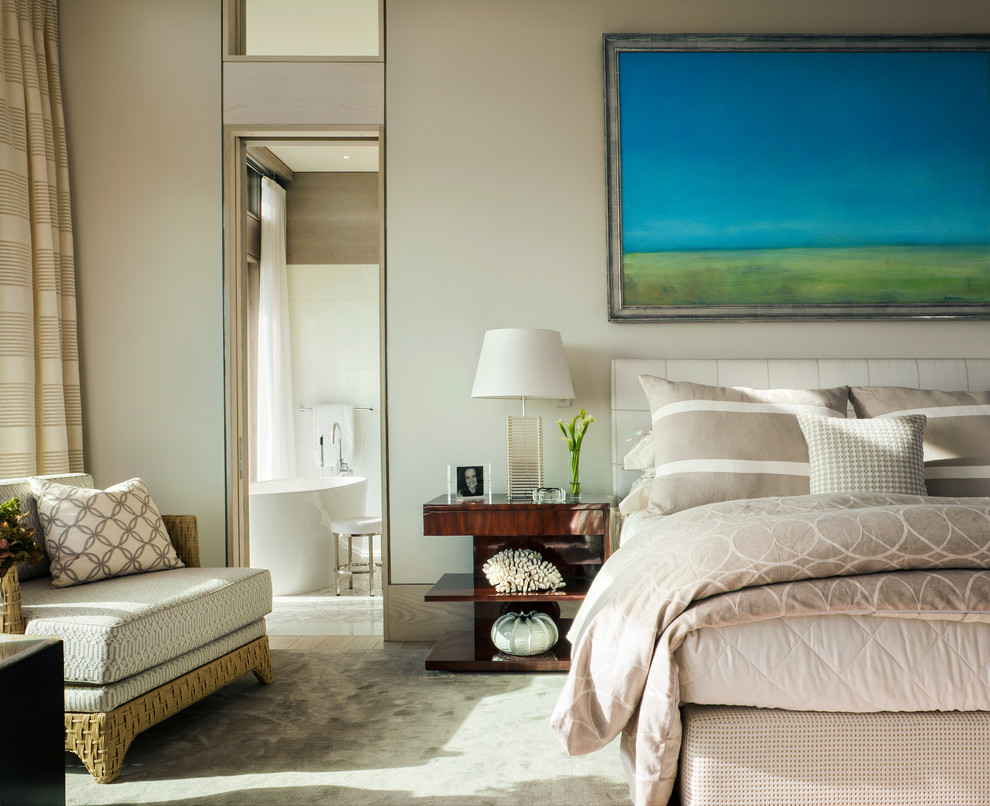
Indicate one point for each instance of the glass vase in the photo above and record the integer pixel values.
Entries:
(575, 473)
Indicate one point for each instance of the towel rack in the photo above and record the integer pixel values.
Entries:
(356, 408)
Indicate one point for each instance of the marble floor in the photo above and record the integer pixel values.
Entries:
(308, 618)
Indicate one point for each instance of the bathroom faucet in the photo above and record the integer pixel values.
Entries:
(341, 467)
(336, 438)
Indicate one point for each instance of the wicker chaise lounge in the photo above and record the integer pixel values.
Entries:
(140, 648)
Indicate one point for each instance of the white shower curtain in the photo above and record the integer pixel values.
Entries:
(275, 437)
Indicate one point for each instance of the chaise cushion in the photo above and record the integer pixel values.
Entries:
(95, 534)
(117, 627)
(95, 698)
(21, 490)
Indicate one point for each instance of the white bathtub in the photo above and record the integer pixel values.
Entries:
(290, 528)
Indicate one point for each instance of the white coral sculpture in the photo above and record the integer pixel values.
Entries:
(522, 571)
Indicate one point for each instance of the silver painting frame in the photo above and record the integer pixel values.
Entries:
(615, 44)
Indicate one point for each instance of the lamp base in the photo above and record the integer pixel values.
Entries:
(524, 456)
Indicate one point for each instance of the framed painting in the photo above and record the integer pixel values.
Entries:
(798, 177)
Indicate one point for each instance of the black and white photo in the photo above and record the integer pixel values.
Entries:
(471, 481)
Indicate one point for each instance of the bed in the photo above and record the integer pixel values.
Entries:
(799, 610)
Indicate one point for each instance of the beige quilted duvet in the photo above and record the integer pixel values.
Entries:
(745, 561)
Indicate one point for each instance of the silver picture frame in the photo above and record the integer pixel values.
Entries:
(868, 294)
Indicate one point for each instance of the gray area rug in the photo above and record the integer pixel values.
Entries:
(357, 727)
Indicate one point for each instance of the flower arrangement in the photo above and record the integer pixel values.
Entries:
(16, 540)
(574, 435)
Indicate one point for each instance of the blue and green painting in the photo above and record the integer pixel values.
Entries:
(805, 178)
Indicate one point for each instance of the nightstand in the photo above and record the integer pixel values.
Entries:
(575, 537)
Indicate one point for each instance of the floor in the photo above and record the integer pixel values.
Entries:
(323, 620)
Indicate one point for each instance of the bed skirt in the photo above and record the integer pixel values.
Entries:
(742, 756)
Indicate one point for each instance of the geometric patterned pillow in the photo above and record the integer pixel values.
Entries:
(96, 534)
(21, 490)
(878, 456)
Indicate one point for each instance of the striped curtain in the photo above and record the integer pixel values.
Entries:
(40, 408)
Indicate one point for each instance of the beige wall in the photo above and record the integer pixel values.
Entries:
(496, 218)
(143, 104)
(495, 215)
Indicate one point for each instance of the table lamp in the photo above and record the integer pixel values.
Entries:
(523, 362)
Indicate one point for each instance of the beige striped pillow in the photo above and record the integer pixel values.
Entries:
(715, 443)
(957, 437)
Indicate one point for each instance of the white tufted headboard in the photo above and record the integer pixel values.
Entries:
(631, 413)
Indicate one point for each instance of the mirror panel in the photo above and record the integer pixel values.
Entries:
(342, 28)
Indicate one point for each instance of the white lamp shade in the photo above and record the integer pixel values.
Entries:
(521, 363)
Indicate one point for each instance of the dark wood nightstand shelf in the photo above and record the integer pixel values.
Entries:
(462, 588)
(575, 537)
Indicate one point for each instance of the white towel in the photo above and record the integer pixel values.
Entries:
(324, 416)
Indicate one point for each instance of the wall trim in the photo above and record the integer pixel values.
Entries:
(235, 143)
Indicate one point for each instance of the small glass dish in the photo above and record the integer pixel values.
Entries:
(549, 495)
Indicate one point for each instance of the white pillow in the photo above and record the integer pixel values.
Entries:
(96, 534)
(641, 456)
(883, 455)
(639, 494)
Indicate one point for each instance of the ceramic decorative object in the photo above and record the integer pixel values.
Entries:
(524, 633)
(522, 571)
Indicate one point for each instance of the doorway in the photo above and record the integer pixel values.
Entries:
(335, 278)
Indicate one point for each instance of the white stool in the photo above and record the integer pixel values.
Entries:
(368, 526)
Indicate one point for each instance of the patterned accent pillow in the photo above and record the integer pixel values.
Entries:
(714, 443)
(96, 534)
(874, 456)
(21, 490)
(957, 438)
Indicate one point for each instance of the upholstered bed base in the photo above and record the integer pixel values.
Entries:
(746, 756)
(101, 739)
(765, 757)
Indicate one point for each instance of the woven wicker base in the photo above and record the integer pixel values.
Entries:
(101, 739)
(11, 612)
